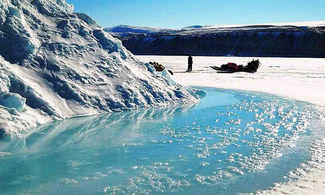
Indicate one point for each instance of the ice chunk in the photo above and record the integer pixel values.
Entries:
(13, 100)
(165, 74)
(55, 64)
(87, 19)
(105, 41)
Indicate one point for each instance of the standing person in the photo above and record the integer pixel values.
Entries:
(189, 62)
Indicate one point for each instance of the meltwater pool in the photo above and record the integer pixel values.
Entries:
(231, 142)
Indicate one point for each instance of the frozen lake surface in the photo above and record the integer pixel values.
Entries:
(231, 142)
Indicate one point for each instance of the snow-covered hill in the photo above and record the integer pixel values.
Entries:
(128, 30)
(56, 64)
(306, 39)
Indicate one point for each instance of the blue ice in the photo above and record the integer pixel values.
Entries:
(231, 142)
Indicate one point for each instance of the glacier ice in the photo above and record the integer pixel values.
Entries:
(57, 64)
(12, 100)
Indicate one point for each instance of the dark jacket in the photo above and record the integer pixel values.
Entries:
(190, 60)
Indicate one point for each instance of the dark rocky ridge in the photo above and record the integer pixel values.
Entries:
(258, 40)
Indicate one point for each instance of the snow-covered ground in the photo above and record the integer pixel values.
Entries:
(298, 78)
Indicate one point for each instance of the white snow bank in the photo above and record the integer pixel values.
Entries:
(55, 64)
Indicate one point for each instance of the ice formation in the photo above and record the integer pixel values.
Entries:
(56, 64)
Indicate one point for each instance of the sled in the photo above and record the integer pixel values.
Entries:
(230, 67)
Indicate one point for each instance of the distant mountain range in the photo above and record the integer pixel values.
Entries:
(306, 39)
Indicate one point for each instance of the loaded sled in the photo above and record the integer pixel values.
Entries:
(230, 67)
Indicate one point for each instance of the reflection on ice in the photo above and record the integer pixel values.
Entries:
(230, 142)
(116, 127)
